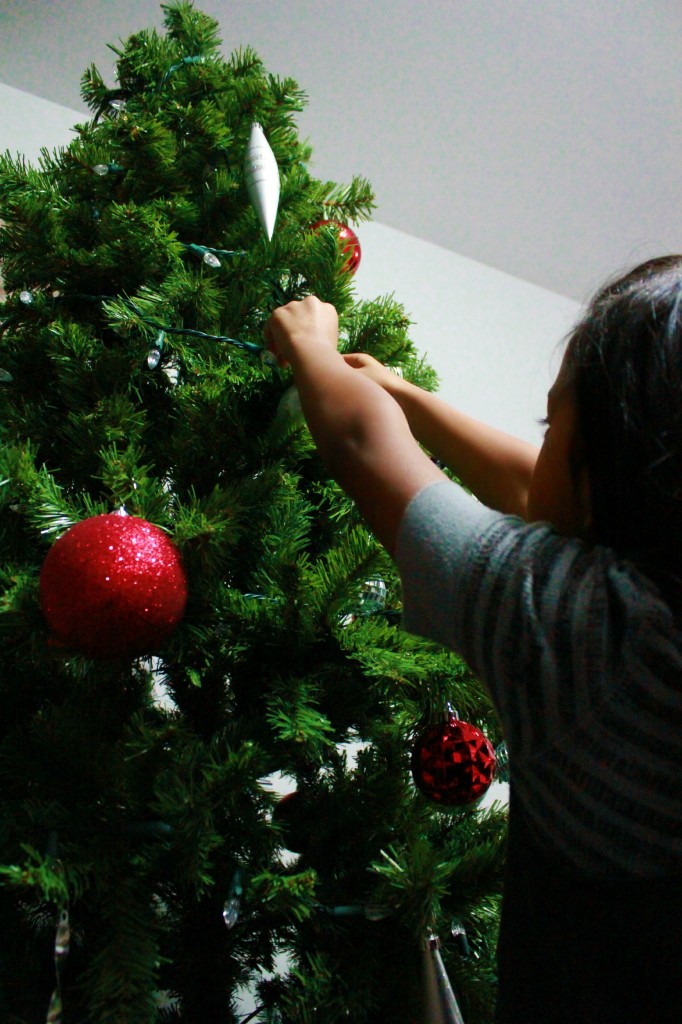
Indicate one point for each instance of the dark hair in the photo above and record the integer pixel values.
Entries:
(625, 359)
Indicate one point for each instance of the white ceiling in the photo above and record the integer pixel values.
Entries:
(542, 137)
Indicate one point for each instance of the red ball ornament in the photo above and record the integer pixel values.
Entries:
(299, 815)
(347, 236)
(453, 763)
(112, 586)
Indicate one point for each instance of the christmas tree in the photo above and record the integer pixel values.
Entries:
(150, 867)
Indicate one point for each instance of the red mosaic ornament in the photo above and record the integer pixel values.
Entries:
(453, 763)
(112, 586)
(350, 241)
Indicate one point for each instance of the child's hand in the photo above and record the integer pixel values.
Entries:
(375, 370)
(301, 323)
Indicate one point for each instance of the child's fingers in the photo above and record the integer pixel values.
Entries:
(270, 337)
(371, 368)
(301, 322)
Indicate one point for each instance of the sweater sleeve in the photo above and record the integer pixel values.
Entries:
(440, 528)
(495, 590)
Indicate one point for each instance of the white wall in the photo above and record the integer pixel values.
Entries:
(28, 123)
(491, 337)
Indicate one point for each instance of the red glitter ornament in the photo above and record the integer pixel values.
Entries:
(453, 763)
(112, 586)
(347, 236)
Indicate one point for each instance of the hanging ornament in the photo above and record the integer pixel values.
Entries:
(460, 936)
(299, 814)
(440, 1004)
(268, 358)
(373, 596)
(372, 601)
(502, 758)
(292, 814)
(350, 241)
(112, 586)
(289, 408)
(453, 763)
(262, 179)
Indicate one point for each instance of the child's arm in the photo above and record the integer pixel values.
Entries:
(361, 433)
(495, 466)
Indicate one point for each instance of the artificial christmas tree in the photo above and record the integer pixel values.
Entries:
(143, 867)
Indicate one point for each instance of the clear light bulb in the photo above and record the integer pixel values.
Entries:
(62, 940)
(376, 912)
(231, 911)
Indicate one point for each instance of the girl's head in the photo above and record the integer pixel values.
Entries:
(623, 363)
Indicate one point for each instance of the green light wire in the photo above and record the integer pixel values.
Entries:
(176, 67)
(248, 346)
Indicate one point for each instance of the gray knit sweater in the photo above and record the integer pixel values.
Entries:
(583, 662)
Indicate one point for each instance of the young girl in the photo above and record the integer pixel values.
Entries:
(561, 587)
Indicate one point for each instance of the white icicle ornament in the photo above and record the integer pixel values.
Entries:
(262, 178)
